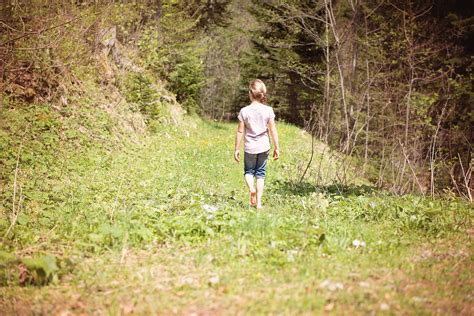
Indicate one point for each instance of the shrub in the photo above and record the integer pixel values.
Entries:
(140, 91)
(186, 80)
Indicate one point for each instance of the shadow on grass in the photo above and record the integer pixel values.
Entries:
(306, 188)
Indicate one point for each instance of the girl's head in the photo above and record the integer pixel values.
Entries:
(258, 91)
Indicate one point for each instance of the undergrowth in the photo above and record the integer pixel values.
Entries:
(84, 196)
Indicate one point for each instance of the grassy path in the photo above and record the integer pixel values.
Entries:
(163, 227)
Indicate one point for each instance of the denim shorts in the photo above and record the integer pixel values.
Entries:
(256, 164)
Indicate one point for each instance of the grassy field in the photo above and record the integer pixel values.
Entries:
(161, 225)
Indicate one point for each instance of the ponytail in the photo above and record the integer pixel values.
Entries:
(258, 91)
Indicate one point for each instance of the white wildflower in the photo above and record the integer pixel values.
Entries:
(384, 307)
(186, 280)
(214, 280)
(210, 216)
(331, 286)
(358, 243)
(290, 255)
(210, 208)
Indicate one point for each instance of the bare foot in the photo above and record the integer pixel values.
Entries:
(253, 198)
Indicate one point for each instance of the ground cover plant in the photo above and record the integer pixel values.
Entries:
(162, 225)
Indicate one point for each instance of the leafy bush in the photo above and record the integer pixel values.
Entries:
(140, 91)
(186, 80)
(178, 63)
(39, 270)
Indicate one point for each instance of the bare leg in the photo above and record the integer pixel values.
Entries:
(249, 181)
(260, 184)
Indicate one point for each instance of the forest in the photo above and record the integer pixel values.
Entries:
(119, 195)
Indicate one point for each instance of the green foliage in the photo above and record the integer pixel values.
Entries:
(129, 199)
(177, 59)
(143, 94)
(406, 214)
(7, 261)
(223, 94)
(186, 79)
(6, 258)
(286, 55)
(151, 51)
(127, 203)
(40, 270)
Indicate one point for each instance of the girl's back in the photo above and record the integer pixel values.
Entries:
(256, 117)
(255, 121)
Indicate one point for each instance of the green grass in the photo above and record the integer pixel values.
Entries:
(161, 224)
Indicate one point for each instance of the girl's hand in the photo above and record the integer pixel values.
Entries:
(276, 154)
(237, 156)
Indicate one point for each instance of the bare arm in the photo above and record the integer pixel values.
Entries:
(238, 139)
(274, 135)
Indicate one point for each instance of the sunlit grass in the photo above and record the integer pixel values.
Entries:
(163, 226)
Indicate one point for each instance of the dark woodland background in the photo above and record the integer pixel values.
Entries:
(386, 82)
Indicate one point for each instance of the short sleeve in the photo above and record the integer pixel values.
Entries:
(271, 115)
(240, 117)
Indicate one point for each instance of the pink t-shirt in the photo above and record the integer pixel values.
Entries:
(256, 117)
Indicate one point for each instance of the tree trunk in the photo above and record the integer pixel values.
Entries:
(293, 97)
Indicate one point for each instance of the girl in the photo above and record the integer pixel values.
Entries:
(256, 120)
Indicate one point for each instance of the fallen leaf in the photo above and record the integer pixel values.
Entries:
(23, 275)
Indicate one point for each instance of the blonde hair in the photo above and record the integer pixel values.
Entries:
(258, 91)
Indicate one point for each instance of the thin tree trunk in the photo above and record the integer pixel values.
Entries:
(332, 23)
(327, 84)
(367, 120)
